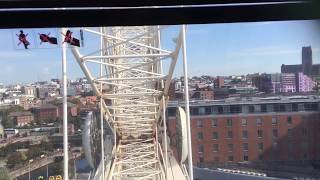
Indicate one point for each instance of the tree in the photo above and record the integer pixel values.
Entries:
(4, 174)
(6, 121)
(14, 159)
(74, 101)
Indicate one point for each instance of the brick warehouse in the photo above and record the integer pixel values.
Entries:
(252, 130)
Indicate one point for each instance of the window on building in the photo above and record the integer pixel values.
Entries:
(202, 111)
(245, 158)
(220, 109)
(208, 110)
(235, 109)
(200, 148)
(230, 158)
(289, 120)
(171, 111)
(276, 107)
(294, 107)
(230, 134)
(201, 160)
(214, 122)
(215, 135)
(304, 132)
(245, 134)
(260, 133)
(215, 110)
(259, 121)
(275, 132)
(282, 108)
(257, 108)
(230, 147)
(260, 157)
(269, 107)
(215, 147)
(194, 110)
(226, 109)
(199, 124)
(274, 121)
(244, 122)
(274, 145)
(300, 107)
(251, 108)
(289, 133)
(229, 122)
(245, 146)
(216, 159)
(260, 146)
(263, 108)
(288, 107)
(200, 135)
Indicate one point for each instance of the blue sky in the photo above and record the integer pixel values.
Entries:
(213, 49)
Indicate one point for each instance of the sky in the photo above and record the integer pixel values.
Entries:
(212, 49)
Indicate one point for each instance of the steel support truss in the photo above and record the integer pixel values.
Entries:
(133, 90)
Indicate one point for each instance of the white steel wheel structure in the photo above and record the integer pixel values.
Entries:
(133, 93)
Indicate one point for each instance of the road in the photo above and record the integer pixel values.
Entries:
(23, 139)
(40, 162)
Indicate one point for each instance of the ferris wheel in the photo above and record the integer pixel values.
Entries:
(133, 92)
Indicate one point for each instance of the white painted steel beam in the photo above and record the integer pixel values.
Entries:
(132, 89)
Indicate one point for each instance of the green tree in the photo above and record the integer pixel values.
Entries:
(34, 152)
(74, 101)
(4, 174)
(14, 159)
(6, 121)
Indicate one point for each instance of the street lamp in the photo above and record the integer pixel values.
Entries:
(30, 161)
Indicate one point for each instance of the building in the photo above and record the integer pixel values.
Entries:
(30, 91)
(307, 67)
(91, 99)
(276, 82)
(263, 82)
(274, 129)
(219, 82)
(203, 93)
(45, 112)
(70, 129)
(27, 101)
(21, 118)
(291, 83)
(221, 93)
(304, 83)
(10, 132)
(288, 83)
(72, 110)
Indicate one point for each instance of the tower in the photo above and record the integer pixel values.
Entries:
(306, 60)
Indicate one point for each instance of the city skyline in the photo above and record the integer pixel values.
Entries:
(243, 48)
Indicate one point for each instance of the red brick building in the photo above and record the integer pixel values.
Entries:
(91, 99)
(21, 118)
(45, 111)
(72, 110)
(259, 130)
(203, 94)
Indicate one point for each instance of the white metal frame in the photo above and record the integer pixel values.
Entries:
(133, 92)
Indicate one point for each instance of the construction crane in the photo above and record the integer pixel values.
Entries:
(133, 93)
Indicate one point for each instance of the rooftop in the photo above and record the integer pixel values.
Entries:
(250, 100)
(22, 113)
